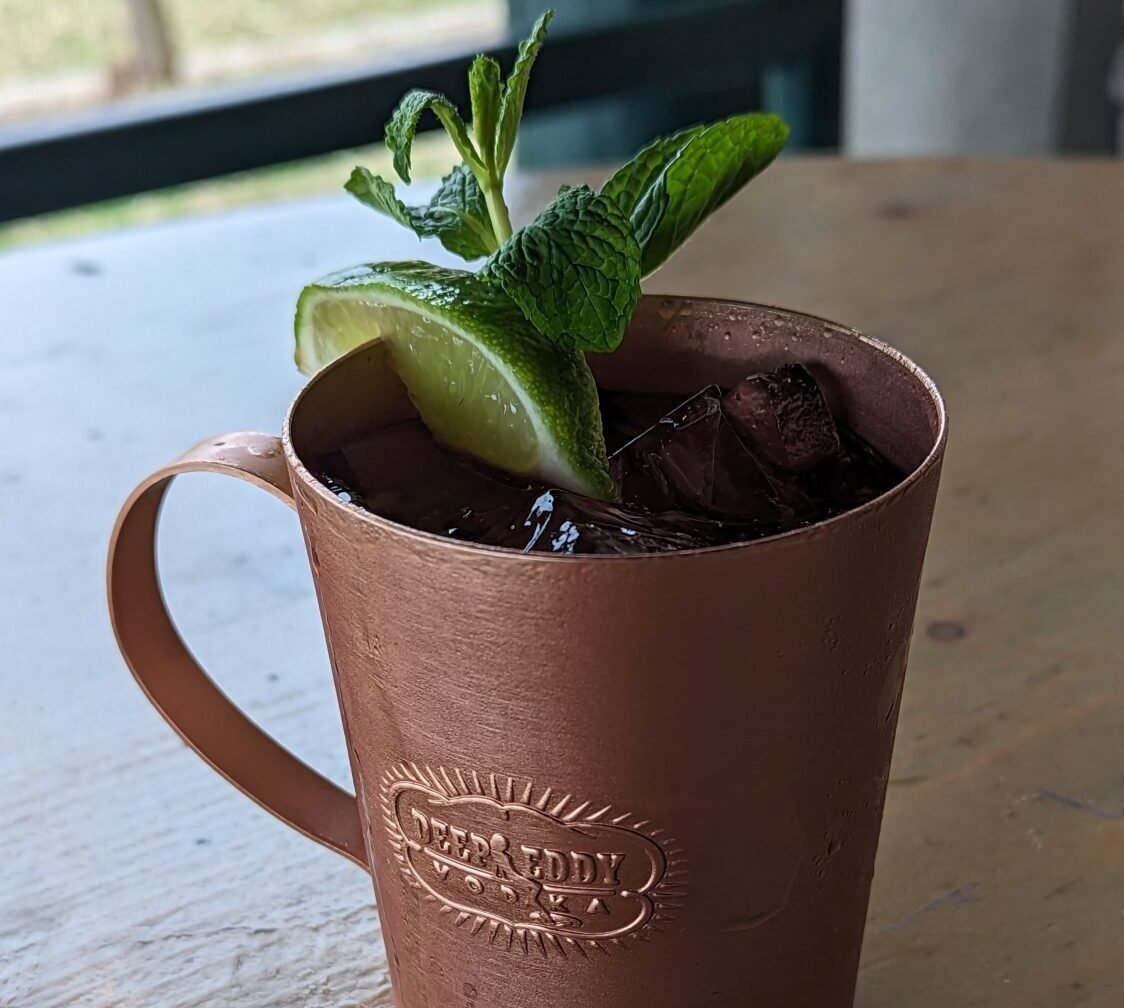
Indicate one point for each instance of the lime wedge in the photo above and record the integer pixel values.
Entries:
(484, 380)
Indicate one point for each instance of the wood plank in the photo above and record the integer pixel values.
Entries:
(132, 875)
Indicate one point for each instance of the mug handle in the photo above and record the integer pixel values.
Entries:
(176, 685)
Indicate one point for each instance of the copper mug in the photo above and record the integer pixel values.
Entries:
(631, 782)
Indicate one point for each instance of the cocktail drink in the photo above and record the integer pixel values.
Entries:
(760, 459)
(617, 591)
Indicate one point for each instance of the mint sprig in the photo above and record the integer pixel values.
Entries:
(497, 108)
(575, 270)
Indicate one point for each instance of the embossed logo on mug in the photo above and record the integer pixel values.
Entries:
(528, 869)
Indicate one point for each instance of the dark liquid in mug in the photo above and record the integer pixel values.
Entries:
(721, 467)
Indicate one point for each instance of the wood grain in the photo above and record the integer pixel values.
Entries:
(132, 875)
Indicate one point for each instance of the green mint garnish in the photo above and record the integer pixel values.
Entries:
(511, 104)
(574, 271)
(486, 91)
(457, 215)
(404, 124)
(494, 361)
(675, 183)
(481, 220)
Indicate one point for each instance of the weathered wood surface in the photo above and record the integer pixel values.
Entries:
(131, 875)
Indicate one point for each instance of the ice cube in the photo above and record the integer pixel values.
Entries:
(626, 415)
(858, 475)
(336, 474)
(402, 473)
(783, 417)
(693, 461)
(555, 521)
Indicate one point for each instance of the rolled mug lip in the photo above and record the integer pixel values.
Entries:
(883, 500)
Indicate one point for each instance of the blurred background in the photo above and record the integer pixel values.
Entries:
(117, 112)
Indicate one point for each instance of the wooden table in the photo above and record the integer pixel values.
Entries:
(131, 875)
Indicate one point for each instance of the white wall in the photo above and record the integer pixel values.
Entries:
(953, 76)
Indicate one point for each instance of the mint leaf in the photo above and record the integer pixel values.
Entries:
(632, 180)
(515, 91)
(702, 167)
(574, 270)
(404, 124)
(486, 91)
(376, 192)
(456, 216)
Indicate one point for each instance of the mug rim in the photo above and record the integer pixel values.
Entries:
(883, 500)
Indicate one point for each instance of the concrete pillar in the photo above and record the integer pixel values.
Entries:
(954, 76)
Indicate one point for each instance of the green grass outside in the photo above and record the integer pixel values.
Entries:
(45, 37)
(48, 36)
